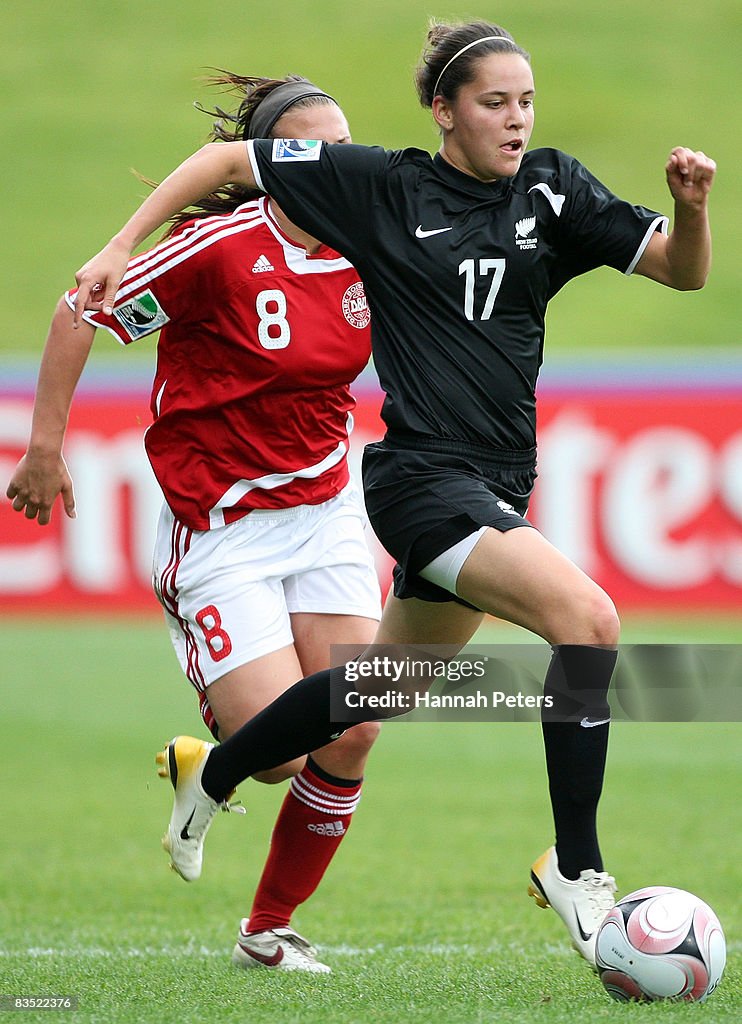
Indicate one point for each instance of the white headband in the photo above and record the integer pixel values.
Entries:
(463, 49)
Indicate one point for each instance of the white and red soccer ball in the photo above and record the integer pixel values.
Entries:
(660, 943)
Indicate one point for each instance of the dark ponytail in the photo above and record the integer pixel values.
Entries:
(450, 56)
(234, 127)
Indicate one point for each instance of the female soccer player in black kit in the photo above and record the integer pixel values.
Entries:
(459, 254)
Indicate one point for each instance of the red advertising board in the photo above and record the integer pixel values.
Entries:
(644, 492)
(640, 485)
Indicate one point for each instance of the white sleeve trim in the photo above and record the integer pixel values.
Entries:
(663, 224)
(556, 199)
(88, 315)
(250, 144)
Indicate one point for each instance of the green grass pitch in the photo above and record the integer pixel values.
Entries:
(423, 916)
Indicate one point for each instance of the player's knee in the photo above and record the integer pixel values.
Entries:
(590, 619)
(604, 622)
(272, 776)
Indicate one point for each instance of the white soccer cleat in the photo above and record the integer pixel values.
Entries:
(282, 949)
(582, 904)
(182, 761)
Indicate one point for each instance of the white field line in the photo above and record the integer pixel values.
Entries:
(190, 950)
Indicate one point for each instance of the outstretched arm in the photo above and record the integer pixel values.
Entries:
(682, 259)
(214, 165)
(42, 473)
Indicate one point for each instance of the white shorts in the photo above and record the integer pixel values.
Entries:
(228, 593)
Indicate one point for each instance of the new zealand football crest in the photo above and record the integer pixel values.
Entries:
(524, 237)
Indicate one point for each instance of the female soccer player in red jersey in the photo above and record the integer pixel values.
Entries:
(261, 561)
(460, 254)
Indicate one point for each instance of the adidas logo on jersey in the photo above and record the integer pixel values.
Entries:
(328, 828)
(261, 264)
(523, 229)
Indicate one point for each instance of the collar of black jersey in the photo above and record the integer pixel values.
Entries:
(466, 183)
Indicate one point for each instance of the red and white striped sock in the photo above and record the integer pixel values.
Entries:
(313, 819)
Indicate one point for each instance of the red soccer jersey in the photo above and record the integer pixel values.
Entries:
(258, 343)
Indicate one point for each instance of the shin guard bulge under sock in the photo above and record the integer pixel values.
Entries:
(575, 731)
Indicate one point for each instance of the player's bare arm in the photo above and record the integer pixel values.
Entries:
(214, 165)
(42, 474)
(682, 259)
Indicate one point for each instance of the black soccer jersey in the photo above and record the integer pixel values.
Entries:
(457, 272)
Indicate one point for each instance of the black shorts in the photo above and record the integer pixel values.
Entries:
(423, 495)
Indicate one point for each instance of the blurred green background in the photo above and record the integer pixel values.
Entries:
(91, 90)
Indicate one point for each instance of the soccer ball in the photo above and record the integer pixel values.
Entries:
(660, 943)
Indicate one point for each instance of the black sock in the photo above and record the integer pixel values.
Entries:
(577, 681)
(295, 723)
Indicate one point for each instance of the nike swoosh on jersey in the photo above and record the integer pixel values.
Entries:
(420, 231)
(587, 723)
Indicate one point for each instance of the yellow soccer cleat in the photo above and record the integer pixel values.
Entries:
(182, 761)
